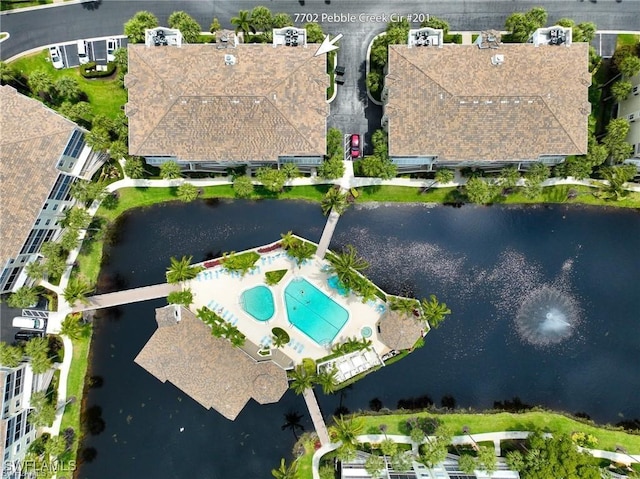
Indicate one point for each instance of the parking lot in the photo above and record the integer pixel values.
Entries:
(96, 50)
(7, 331)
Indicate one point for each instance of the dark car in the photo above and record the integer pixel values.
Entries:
(355, 146)
(27, 334)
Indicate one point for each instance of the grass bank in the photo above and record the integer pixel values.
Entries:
(75, 388)
(550, 195)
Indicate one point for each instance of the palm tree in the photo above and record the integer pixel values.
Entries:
(334, 200)
(374, 466)
(77, 290)
(10, 356)
(292, 421)
(72, 327)
(301, 252)
(40, 83)
(68, 88)
(187, 192)
(243, 22)
(300, 379)
(403, 305)
(24, 297)
(345, 263)
(365, 288)
(347, 429)
(434, 311)
(170, 170)
(181, 270)
(288, 241)
(284, 472)
(326, 378)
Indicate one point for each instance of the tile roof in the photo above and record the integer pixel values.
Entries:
(399, 331)
(454, 103)
(210, 370)
(32, 139)
(186, 102)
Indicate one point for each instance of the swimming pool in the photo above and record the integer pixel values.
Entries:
(313, 312)
(258, 302)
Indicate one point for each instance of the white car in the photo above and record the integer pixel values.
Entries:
(112, 46)
(56, 58)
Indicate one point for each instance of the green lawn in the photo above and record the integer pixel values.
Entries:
(12, 5)
(106, 96)
(627, 39)
(551, 194)
(479, 423)
(75, 388)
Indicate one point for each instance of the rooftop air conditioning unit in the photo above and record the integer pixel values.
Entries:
(497, 59)
(229, 59)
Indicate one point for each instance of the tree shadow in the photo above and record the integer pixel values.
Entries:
(92, 421)
(92, 5)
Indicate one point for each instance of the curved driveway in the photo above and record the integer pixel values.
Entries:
(30, 29)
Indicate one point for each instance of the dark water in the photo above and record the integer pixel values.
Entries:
(483, 262)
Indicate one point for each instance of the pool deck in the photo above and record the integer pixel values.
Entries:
(220, 291)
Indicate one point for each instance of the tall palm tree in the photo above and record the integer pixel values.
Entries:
(243, 22)
(326, 378)
(336, 200)
(292, 421)
(181, 270)
(434, 311)
(284, 471)
(300, 379)
(77, 290)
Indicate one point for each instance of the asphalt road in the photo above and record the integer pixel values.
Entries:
(106, 17)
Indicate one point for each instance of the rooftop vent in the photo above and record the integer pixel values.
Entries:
(497, 59)
(229, 59)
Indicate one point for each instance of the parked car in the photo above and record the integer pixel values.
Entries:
(355, 146)
(56, 58)
(83, 56)
(27, 323)
(27, 334)
(112, 46)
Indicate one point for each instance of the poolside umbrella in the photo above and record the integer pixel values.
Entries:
(399, 330)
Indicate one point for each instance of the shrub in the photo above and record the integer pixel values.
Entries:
(273, 277)
(89, 70)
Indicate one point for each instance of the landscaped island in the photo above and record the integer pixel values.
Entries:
(283, 305)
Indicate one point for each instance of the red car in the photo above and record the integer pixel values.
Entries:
(355, 146)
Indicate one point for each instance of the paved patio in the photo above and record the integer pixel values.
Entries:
(220, 291)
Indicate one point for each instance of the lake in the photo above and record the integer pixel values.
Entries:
(484, 262)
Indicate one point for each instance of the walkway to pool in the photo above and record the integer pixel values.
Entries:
(221, 291)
